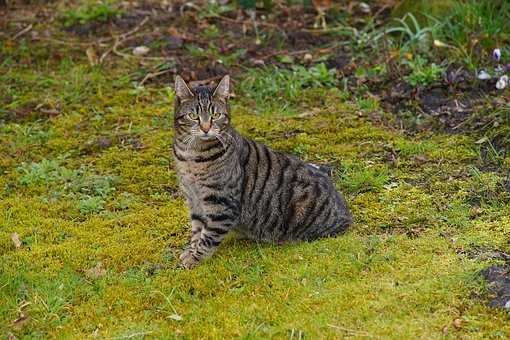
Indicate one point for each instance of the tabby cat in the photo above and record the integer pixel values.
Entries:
(233, 183)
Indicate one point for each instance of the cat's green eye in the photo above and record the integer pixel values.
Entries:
(216, 115)
(193, 115)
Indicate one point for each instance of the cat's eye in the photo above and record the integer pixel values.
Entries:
(193, 115)
(216, 115)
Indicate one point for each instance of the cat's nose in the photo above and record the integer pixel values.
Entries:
(205, 126)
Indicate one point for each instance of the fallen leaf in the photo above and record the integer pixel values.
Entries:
(96, 272)
(482, 140)
(15, 240)
(457, 323)
(92, 56)
(257, 62)
(307, 58)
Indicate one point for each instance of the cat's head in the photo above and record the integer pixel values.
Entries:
(202, 111)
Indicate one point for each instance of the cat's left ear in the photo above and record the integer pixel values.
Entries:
(222, 91)
(181, 89)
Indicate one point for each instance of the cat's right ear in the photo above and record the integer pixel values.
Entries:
(182, 90)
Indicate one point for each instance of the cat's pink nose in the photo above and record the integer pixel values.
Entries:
(205, 126)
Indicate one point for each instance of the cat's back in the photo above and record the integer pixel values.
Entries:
(285, 198)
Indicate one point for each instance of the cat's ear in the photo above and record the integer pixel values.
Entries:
(222, 91)
(181, 89)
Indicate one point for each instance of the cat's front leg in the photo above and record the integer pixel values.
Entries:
(197, 224)
(211, 235)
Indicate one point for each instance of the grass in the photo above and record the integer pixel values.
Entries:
(92, 194)
(89, 12)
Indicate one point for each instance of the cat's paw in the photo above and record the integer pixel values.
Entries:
(188, 259)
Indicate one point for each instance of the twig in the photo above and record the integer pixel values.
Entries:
(23, 31)
(120, 39)
(63, 42)
(380, 10)
(153, 75)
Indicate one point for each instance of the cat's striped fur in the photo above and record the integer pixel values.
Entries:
(234, 183)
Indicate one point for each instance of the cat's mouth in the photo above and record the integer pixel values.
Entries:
(207, 136)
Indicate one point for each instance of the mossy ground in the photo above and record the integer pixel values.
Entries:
(91, 192)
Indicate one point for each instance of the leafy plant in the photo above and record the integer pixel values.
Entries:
(45, 172)
(413, 36)
(286, 84)
(91, 190)
(90, 205)
(422, 74)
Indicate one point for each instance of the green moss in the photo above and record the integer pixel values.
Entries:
(95, 184)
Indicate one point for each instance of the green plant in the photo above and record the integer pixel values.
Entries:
(91, 190)
(488, 21)
(286, 86)
(89, 205)
(422, 74)
(357, 178)
(368, 104)
(88, 13)
(45, 172)
(412, 35)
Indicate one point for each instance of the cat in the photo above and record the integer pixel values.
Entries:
(234, 183)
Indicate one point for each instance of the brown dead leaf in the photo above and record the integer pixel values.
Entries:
(457, 323)
(21, 320)
(96, 272)
(92, 56)
(15, 240)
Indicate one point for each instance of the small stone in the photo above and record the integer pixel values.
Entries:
(308, 58)
(140, 51)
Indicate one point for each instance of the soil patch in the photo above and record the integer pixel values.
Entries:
(498, 278)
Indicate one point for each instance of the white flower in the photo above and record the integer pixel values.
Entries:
(502, 82)
(496, 54)
(483, 75)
